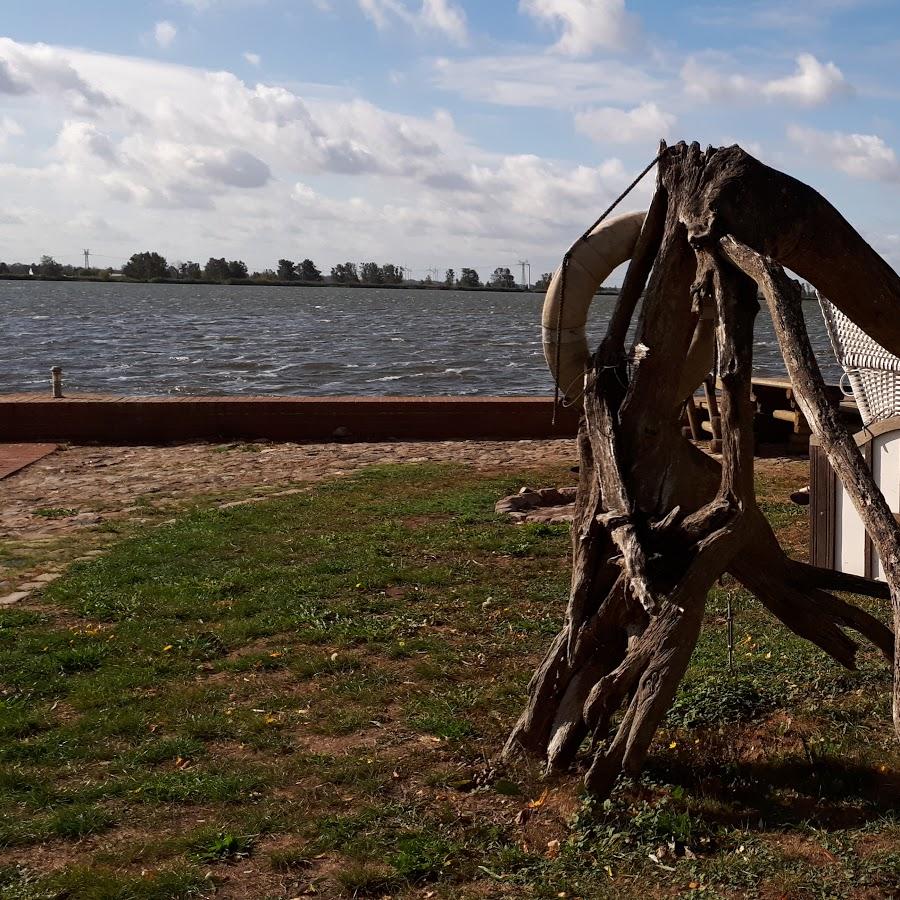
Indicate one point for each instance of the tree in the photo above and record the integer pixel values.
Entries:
(237, 270)
(145, 266)
(450, 278)
(468, 278)
(370, 273)
(308, 272)
(543, 282)
(286, 270)
(345, 273)
(49, 266)
(4, 268)
(216, 269)
(503, 278)
(392, 274)
(190, 271)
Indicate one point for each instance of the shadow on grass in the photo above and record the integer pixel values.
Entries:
(824, 792)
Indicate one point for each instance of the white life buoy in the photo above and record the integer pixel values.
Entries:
(591, 262)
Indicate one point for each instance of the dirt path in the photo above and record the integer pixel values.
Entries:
(67, 505)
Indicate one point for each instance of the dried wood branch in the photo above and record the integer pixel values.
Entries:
(657, 521)
(783, 298)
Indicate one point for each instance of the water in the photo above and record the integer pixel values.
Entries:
(204, 339)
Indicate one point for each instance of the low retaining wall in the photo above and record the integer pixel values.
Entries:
(158, 420)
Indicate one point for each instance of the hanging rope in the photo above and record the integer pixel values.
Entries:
(565, 266)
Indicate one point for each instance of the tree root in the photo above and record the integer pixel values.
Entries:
(657, 522)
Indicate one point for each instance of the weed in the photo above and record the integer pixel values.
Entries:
(363, 879)
(75, 822)
(55, 512)
(211, 846)
(715, 699)
(289, 859)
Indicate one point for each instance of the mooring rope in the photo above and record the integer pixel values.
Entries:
(565, 266)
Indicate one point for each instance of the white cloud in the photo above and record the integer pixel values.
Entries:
(79, 143)
(253, 58)
(221, 152)
(39, 69)
(539, 80)
(9, 128)
(812, 84)
(443, 16)
(864, 156)
(446, 17)
(609, 124)
(164, 33)
(586, 24)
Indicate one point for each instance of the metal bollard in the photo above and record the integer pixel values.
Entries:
(56, 380)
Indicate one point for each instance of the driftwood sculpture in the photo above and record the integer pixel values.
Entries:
(657, 521)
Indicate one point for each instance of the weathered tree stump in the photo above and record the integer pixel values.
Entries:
(657, 521)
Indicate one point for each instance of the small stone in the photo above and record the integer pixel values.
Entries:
(86, 518)
(47, 577)
(14, 598)
(342, 433)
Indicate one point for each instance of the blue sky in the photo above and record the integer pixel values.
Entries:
(427, 132)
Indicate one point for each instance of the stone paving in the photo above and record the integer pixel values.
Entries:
(54, 512)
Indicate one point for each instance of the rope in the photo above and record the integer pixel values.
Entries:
(565, 266)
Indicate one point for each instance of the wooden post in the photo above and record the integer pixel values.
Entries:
(693, 419)
(715, 420)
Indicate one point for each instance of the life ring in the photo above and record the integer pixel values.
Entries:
(591, 262)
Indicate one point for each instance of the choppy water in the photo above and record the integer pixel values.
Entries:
(186, 339)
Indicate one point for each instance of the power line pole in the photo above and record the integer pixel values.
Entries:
(87, 259)
(523, 263)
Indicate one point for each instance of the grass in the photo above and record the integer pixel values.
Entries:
(302, 697)
(55, 512)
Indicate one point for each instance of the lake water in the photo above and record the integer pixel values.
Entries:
(202, 339)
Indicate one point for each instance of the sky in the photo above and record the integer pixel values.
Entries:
(428, 133)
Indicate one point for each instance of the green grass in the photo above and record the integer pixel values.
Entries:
(305, 695)
(55, 512)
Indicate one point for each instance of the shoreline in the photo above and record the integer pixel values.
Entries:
(259, 282)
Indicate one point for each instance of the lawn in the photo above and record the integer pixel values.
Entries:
(302, 697)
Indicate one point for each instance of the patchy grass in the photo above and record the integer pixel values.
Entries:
(302, 697)
(55, 512)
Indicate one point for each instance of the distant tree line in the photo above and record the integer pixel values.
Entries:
(48, 267)
(151, 266)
